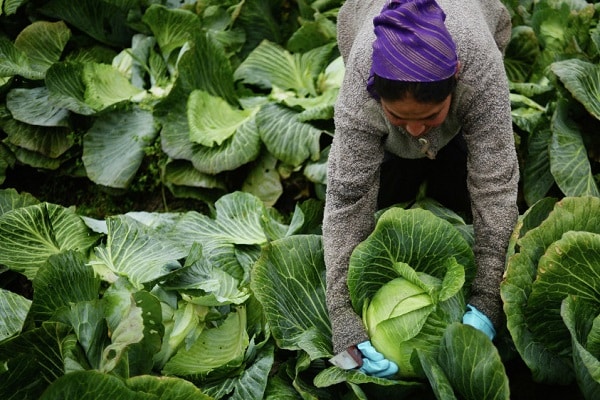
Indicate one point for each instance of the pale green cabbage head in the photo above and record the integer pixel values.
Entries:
(411, 312)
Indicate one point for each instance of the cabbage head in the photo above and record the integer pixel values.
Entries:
(409, 280)
(412, 312)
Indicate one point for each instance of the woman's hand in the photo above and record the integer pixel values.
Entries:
(479, 320)
(374, 363)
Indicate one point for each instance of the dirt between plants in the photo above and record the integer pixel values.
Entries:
(93, 200)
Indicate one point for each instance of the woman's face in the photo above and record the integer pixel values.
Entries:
(415, 117)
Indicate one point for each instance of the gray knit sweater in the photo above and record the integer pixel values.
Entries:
(480, 108)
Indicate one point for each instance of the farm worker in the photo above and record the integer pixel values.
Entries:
(425, 97)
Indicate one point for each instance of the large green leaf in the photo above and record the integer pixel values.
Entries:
(472, 364)
(89, 325)
(239, 220)
(7, 160)
(315, 108)
(271, 66)
(221, 347)
(105, 21)
(63, 280)
(312, 33)
(537, 176)
(33, 360)
(11, 199)
(260, 20)
(569, 160)
(33, 158)
(384, 388)
(183, 173)
(582, 79)
(137, 251)
(582, 319)
(568, 267)
(98, 385)
(242, 148)
(30, 235)
(35, 49)
(13, 310)
(212, 120)
(34, 106)
(528, 115)
(87, 88)
(263, 180)
(106, 86)
(183, 180)
(51, 142)
(531, 218)
(439, 382)
(114, 147)
(417, 237)
(67, 88)
(521, 53)
(562, 29)
(92, 385)
(181, 319)
(172, 28)
(205, 66)
(215, 279)
(289, 282)
(307, 218)
(171, 112)
(10, 6)
(14, 62)
(43, 43)
(569, 214)
(166, 387)
(288, 139)
(136, 331)
(253, 381)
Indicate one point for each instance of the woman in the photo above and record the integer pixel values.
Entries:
(425, 97)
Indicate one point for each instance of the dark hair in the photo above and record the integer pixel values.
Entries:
(423, 92)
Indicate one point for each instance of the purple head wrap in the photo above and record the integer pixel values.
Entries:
(412, 43)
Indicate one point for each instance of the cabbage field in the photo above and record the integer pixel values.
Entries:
(162, 178)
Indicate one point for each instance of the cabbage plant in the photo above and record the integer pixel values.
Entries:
(550, 292)
(410, 276)
(136, 303)
(552, 65)
(424, 262)
(203, 97)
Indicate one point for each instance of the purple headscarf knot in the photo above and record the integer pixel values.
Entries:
(412, 43)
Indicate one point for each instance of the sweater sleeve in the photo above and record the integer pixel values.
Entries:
(348, 220)
(352, 171)
(493, 171)
(353, 185)
(351, 200)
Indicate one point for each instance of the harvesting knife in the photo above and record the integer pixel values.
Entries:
(347, 359)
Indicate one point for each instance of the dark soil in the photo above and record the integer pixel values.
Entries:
(91, 199)
(522, 386)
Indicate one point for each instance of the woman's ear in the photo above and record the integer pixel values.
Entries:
(457, 69)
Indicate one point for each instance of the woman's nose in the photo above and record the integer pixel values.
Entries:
(415, 129)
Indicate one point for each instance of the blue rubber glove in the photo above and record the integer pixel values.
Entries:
(374, 363)
(479, 320)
